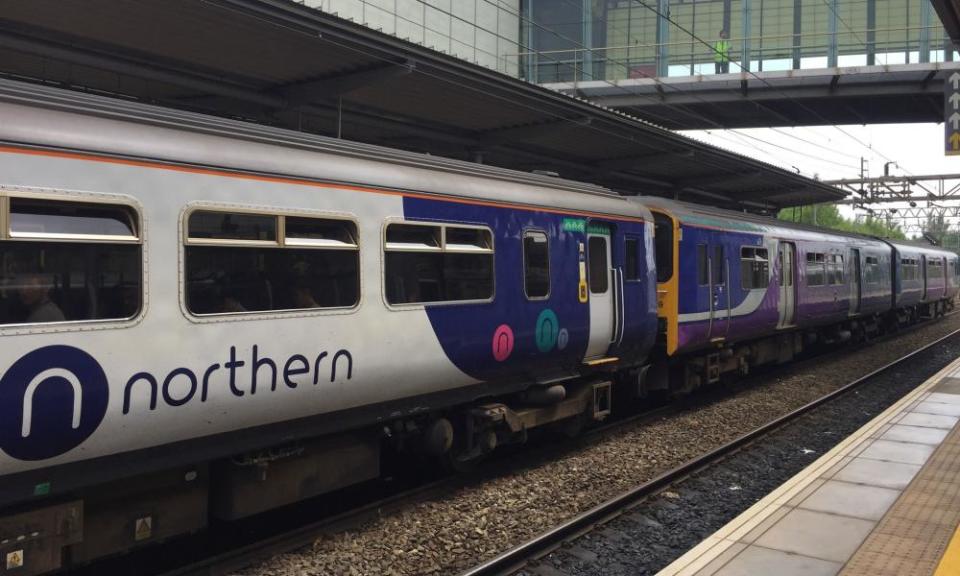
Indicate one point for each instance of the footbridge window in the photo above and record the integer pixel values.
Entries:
(240, 262)
(66, 261)
(436, 263)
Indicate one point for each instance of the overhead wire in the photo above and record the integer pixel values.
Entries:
(539, 109)
(754, 75)
(626, 67)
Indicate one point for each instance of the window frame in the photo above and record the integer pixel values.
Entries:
(442, 250)
(819, 260)
(719, 265)
(280, 244)
(754, 258)
(7, 193)
(607, 260)
(627, 238)
(703, 264)
(523, 264)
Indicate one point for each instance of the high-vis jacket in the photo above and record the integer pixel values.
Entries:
(721, 49)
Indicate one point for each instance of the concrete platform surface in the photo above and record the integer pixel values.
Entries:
(885, 501)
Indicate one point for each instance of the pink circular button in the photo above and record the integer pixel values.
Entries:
(502, 343)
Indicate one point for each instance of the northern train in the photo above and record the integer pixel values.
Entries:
(202, 318)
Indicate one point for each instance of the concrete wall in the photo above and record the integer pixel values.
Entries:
(486, 32)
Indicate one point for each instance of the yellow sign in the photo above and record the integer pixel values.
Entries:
(15, 559)
(144, 529)
(582, 291)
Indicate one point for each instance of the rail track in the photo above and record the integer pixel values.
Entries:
(531, 552)
(230, 560)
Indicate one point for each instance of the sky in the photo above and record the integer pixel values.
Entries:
(834, 152)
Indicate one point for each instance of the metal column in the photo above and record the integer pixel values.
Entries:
(871, 32)
(832, 32)
(526, 12)
(746, 12)
(797, 31)
(926, 8)
(663, 37)
(587, 40)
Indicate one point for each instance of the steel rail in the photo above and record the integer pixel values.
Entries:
(229, 561)
(521, 556)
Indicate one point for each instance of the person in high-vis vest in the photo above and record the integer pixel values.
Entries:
(721, 54)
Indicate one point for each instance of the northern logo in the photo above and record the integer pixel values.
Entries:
(51, 400)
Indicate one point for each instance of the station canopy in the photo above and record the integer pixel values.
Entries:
(284, 64)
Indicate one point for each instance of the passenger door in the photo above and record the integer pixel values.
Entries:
(602, 300)
(923, 273)
(719, 294)
(787, 303)
(856, 292)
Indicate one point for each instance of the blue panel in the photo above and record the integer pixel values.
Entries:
(477, 337)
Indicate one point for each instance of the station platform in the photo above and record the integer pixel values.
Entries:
(884, 502)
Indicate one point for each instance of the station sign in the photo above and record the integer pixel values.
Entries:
(951, 114)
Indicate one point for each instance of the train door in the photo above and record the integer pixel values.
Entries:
(787, 303)
(602, 299)
(855, 286)
(719, 295)
(923, 273)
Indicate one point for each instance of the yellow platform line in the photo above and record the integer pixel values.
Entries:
(950, 563)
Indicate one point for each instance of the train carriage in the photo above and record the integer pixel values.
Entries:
(744, 290)
(199, 313)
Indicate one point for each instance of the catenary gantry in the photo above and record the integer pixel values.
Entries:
(284, 64)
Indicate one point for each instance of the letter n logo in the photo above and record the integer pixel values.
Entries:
(51, 400)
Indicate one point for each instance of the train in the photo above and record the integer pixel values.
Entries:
(207, 319)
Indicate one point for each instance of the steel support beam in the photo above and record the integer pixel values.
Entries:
(533, 131)
(663, 37)
(327, 88)
(926, 18)
(746, 13)
(832, 46)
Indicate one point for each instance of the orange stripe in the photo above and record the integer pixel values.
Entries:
(301, 182)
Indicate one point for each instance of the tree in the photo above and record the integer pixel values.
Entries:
(828, 216)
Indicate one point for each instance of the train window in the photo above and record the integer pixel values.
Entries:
(703, 265)
(834, 266)
(64, 261)
(632, 259)
(910, 269)
(871, 272)
(816, 269)
(413, 238)
(663, 246)
(436, 263)
(599, 269)
(237, 262)
(754, 268)
(320, 233)
(466, 240)
(48, 219)
(232, 226)
(536, 265)
(719, 265)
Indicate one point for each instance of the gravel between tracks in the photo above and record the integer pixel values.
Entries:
(452, 533)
